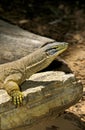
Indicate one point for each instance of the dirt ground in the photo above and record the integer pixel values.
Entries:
(62, 22)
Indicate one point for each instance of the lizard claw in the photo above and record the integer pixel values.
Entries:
(17, 97)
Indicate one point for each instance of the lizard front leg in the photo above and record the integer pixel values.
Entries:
(12, 88)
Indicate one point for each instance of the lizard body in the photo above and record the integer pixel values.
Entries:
(13, 74)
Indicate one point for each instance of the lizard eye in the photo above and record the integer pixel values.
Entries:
(51, 51)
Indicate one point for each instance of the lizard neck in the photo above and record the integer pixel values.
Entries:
(35, 62)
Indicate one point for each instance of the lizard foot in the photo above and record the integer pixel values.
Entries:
(17, 97)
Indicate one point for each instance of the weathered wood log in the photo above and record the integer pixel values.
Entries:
(16, 42)
(44, 92)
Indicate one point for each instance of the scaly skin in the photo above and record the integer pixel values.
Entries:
(13, 74)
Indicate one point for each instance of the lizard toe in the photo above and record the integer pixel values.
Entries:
(17, 98)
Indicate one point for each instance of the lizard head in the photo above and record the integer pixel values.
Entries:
(55, 48)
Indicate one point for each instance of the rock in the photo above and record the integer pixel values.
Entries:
(45, 93)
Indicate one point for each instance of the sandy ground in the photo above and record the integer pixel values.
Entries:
(65, 23)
